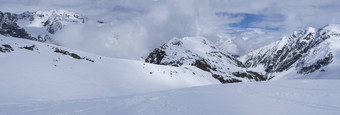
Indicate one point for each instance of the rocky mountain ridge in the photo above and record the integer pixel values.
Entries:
(303, 52)
(203, 54)
(38, 25)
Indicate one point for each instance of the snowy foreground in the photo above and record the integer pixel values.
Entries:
(288, 97)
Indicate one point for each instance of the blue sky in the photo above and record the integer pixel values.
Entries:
(252, 20)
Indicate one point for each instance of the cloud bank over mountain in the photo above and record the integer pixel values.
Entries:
(133, 27)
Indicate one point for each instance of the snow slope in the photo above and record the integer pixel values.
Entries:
(202, 53)
(289, 97)
(31, 70)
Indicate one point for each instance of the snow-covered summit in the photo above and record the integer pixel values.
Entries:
(54, 20)
(200, 52)
(38, 25)
(302, 52)
(43, 18)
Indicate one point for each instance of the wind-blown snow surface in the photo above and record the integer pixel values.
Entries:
(43, 72)
(290, 97)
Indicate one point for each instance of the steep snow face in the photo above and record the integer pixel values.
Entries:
(31, 70)
(199, 52)
(297, 55)
(286, 97)
(39, 25)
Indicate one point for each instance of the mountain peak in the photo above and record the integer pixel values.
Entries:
(38, 25)
(302, 52)
(48, 17)
(310, 30)
(54, 11)
(203, 54)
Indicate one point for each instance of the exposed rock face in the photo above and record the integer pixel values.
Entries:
(73, 55)
(304, 52)
(315, 66)
(9, 27)
(19, 25)
(6, 48)
(203, 54)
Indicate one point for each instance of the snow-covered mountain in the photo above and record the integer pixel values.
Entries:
(199, 52)
(31, 70)
(304, 54)
(38, 25)
(62, 80)
(42, 78)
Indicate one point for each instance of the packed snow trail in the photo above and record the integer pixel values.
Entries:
(290, 97)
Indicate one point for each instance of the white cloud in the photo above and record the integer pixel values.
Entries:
(245, 38)
(142, 25)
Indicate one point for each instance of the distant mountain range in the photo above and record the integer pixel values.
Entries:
(295, 56)
(308, 53)
(38, 25)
